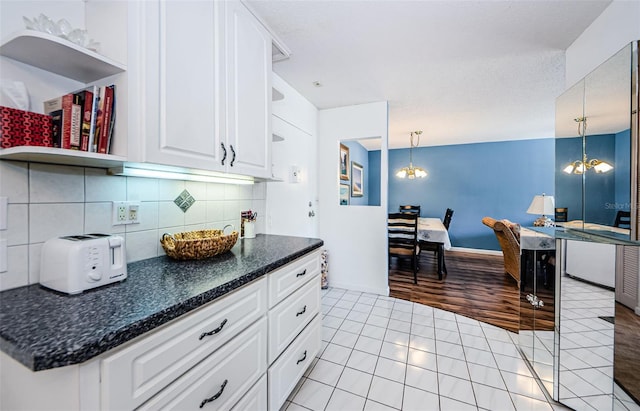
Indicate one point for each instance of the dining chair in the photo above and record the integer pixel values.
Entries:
(436, 247)
(561, 214)
(403, 239)
(623, 219)
(415, 209)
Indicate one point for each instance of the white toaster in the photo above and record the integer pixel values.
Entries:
(76, 263)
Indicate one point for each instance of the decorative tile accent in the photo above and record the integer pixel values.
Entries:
(184, 200)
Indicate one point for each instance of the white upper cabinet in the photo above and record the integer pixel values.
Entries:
(248, 58)
(207, 87)
(182, 76)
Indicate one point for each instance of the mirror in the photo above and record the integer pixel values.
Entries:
(586, 324)
(597, 285)
(360, 163)
(593, 148)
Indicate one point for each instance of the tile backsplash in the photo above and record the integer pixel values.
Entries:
(47, 201)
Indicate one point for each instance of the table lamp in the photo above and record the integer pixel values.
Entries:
(542, 205)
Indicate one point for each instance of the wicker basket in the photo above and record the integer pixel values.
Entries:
(195, 245)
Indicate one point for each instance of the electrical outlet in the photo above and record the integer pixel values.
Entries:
(125, 212)
(134, 213)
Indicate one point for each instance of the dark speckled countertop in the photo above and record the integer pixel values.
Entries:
(45, 329)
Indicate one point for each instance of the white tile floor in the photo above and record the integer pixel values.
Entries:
(382, 353)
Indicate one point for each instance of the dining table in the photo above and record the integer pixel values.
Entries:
(432, 230)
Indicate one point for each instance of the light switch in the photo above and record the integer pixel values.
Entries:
(3, 255)
(3, 212)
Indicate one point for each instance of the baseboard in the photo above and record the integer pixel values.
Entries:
(476, 251)
(352, 287)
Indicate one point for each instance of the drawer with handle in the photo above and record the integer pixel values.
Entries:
(285, 280)
(222, 379)
(285, 373)
(288, 319)
(138, 371)
(255, 399)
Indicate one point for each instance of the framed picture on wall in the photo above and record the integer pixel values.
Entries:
(357, 188)
(344, 194)
(344, 162)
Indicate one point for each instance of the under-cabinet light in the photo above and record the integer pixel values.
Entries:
(188, 175)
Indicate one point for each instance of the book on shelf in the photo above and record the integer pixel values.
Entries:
(56, 128)
(65, 104)
(76, 121)
(105, 119)
(89, 117)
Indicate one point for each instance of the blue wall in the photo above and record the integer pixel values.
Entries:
(360, 155)
(623, 162)
(375, 163)
(475, 180)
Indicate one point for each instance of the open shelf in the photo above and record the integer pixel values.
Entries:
(60, 156)
(59, 56)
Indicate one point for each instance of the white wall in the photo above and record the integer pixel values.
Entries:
(617, 26)
(294, 119)
(355, 236)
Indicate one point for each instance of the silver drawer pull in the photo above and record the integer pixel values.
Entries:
(216, 331)
(304, 357)
(302, 273)
(215, 396)
(304, 309)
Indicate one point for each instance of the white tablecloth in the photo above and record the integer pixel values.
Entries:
(432, 229)
(535, 240)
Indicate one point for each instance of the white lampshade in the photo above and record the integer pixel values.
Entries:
(542, 205)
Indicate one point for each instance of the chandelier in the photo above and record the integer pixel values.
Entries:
(412, 172)
(580, 166)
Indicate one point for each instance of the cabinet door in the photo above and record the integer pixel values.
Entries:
(249, 94)
(184, 72)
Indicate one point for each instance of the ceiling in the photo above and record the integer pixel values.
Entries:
(461, 71)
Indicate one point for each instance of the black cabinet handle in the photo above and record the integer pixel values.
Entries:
(224, 152)
(303, 311)
(302, 273)
(216, 395)
(304, 357)
(233, 152)
(216, 331)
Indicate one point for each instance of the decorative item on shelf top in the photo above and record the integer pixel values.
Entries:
(412, 172)
(195, 245)
(542, 205)
(580, 166)
(62, 29)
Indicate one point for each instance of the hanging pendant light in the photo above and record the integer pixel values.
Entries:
(412, 172)
(580, 166)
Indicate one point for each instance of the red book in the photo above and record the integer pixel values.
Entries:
(105, 126)
(64, 103)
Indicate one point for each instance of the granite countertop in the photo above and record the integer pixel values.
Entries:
(46, 329)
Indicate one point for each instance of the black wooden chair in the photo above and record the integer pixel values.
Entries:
(403, 239)
(623, 219)
(561, 214)
(436, 247)
(415, 209)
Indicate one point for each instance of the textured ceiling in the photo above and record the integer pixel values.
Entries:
(461, 71)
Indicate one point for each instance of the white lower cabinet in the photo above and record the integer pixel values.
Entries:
(285, 373)
(134, 374)
(255, 399)
(291, 316)
(218, 382)
(295, 331)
